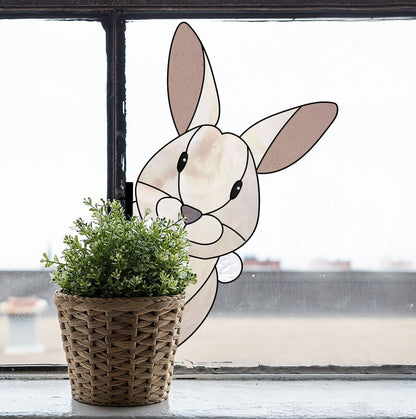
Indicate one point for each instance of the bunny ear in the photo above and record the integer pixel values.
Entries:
(193, 96)
(282, 139)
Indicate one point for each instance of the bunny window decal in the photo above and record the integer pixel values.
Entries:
(211, 177)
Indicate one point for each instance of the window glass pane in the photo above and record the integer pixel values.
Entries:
(53, 154)
(337, 227)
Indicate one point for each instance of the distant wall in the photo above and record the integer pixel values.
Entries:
(319, 293)
(28, 283)
(276, 293)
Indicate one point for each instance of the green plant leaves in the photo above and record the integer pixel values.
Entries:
(112, 256)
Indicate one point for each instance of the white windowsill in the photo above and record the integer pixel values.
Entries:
(212, 397)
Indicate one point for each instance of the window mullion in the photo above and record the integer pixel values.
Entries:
(115, 27)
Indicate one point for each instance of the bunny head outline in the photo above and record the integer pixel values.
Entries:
(211, 177)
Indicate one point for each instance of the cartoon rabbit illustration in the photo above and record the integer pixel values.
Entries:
(211, 177)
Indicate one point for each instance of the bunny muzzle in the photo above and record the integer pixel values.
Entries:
(201, 228)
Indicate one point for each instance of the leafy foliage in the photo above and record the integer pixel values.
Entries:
(112, 256)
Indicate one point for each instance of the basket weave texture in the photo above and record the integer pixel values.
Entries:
(120, 351)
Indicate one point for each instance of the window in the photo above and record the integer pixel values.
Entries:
(360, 209)
(338, 223)
(53, 154)
(53, 132)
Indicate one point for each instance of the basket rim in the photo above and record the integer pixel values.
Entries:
(77, 298)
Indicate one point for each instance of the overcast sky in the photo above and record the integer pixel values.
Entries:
(352, 197)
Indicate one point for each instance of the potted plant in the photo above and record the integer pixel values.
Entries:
(120, 304)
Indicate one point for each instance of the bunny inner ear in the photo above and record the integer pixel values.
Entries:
(191, 86)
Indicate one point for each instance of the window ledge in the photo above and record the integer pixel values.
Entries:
(213, 397)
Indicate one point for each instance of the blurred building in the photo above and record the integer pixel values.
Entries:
(251, 263)
(396, 265)
(322, 264)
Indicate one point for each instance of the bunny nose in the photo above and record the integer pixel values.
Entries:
(191, 214)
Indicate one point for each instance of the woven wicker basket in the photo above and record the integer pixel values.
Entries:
(120, 351)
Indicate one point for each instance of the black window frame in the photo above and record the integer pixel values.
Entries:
(114, 14)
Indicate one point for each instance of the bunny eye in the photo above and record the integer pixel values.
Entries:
(235, 190)
(183, 159)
